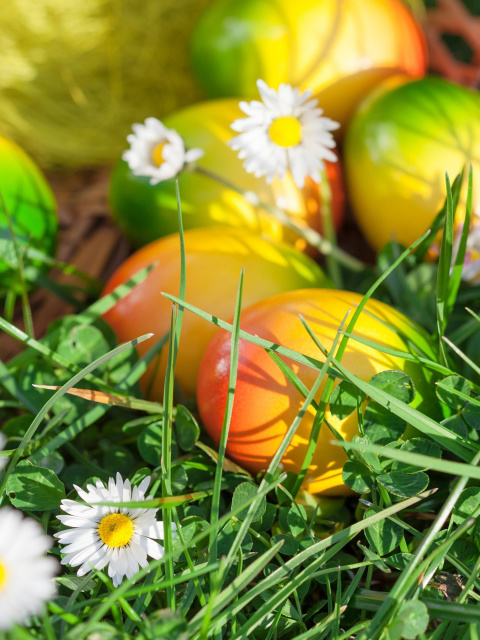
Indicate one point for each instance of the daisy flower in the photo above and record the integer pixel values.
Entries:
(286, 131)
(118, 536)
(157, 152)
(26, 574)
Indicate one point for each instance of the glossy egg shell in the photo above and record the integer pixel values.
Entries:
(339, 49)
(146, 212)
(30, 203)
(266, 403)
(214, 259)
(400, 144)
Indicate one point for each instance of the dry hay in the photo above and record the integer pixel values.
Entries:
(75, 75)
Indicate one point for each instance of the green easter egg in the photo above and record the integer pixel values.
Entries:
(28, 201)
(401, 142)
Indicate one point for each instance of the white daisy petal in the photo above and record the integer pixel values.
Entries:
(26, 575)
(158, 153)
(119, 537)
(286, 131)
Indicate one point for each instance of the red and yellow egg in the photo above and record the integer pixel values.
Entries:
(266, 402)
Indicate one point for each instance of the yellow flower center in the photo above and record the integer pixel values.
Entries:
(116, 530)
(3, 576)
(286, 131)
(157, 154)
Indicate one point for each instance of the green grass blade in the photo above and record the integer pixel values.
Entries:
(323, 405)
(82, 631)
(464, 357)
(105, 303)
(49, 404)
(444, 266)
(341, 537)
(275, 462)
(234, 347)
(237, 585)
(446, 438)
(439, 221)
(26, 310)
(407, 577)
(438, 609)
(404, 355)
(456, 271)
(415, 459)
(167, 422)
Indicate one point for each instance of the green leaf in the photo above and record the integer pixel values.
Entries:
(399, 560)
(377, 561)
(167, 624)
(417, 445)
(149, 444)
(402, 484)
(73, 582)
(449, 398)
(471, 415)
(466, 505)
(290, 544)
(186, 428)
(384, 536)
(266, 521)
(412, 620)
(381, 426)
(396, 383)
(370, 459)
(457, 425)
(118, 459)
(53, 461)
(450, 441)
(357, 476)
(344, 400)
(244, 492)
(293, 520)
(16, 427)
(82, 345)
(34, 488)
(179, 479)
(226, 537)
(289, 483)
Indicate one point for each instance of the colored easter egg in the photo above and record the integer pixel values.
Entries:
(399, 146)
(146, 212)
(266, 402)
(28, 200)
(339, 49)
(214, 259)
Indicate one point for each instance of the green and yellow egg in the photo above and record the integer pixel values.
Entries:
(28, 204)
(404, 138)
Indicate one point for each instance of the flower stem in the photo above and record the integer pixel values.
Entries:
(314, 238)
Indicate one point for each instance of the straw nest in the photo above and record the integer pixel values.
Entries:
(75, 75)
